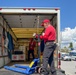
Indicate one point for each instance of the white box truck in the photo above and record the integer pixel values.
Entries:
(21, 23)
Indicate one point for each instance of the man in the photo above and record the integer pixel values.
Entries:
(32, 44)
(49, 37)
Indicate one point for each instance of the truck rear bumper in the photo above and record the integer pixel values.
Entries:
(60, 72)
(15, 73)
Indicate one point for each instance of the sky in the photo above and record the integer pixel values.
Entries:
(68, 36)
(67, 13)
(67, 7)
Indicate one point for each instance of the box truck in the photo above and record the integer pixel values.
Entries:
(20, 24)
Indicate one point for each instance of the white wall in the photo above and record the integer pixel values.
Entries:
(7, 60)
(1, 62)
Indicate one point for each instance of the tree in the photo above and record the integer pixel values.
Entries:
(71, 46)
(65, 49)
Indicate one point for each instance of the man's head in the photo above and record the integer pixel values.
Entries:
(31, 39)
(45, 23)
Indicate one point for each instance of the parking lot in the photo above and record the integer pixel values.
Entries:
(69, 67)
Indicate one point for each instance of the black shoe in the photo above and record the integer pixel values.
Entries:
(54, 73)
(43, 72)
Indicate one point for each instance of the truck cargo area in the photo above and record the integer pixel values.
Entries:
(17, 27)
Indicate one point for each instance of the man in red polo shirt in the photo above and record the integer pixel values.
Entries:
(32, 44)
(49, 37)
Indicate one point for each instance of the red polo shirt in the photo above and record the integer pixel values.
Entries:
(50, 34)
(32, 45)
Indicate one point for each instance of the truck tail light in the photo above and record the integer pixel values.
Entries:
(29, 9)
(59, 55)
(33, 9)
(59, 61)
(56, 9)
(0, 8)
(59, 64)
(24, 9)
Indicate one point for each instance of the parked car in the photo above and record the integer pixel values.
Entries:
(67, 58)
(73, 58)
(63, 55)
(73, 55)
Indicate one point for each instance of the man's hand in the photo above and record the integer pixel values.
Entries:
(43, 34)
(34, 34)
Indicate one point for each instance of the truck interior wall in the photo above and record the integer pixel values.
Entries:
(54, 23)
(4, 59)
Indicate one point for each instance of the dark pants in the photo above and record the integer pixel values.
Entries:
(48, 58)
(30, 52)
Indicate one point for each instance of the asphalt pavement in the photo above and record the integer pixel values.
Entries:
(69, 67)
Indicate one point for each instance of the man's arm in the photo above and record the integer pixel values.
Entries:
(46, 34)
